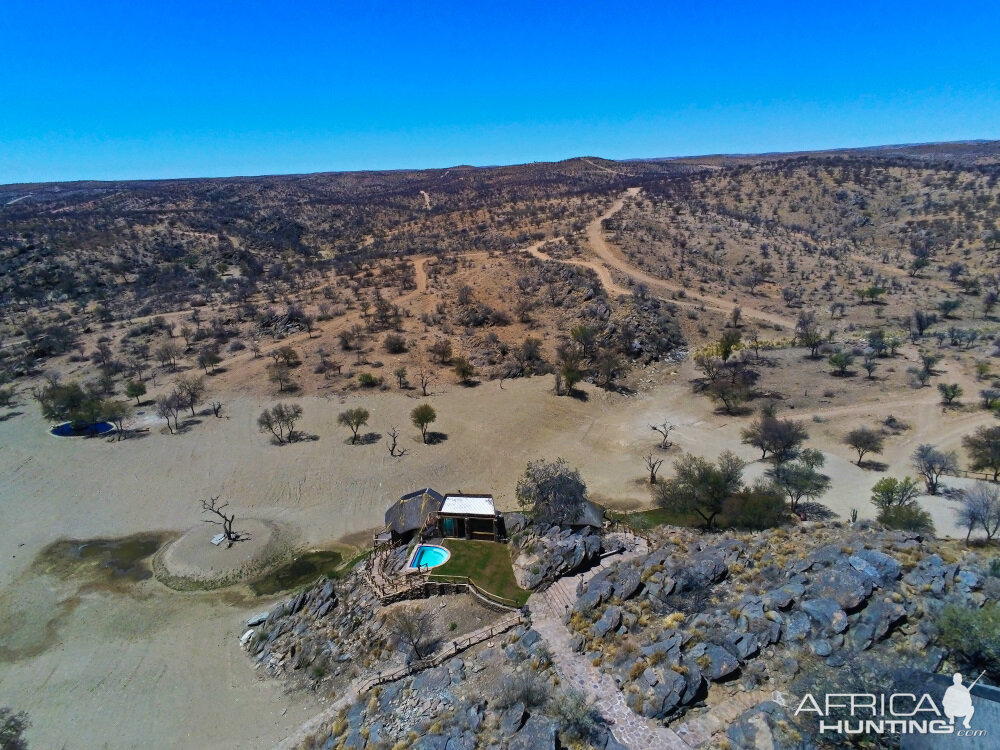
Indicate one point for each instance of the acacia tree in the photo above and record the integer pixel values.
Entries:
(355, 419)
(280, 421)
(191, 390)
(167, 353)
(169, 407)
(889, 492)
(980, 507)
(779, 437)
(931, 463)
(864, 440)
(279, 373)
(801, 479)
(701, 487)
(135, 389)
(984, 450)
(949, 392)
(807, 332)
(119, 413)
(552, 491)
(422, 416)
(463, 369)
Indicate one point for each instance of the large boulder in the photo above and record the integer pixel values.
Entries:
(827, 615)
(538, 733)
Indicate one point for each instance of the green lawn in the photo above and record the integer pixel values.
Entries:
(487, 564)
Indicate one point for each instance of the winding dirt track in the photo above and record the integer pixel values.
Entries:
(612, 257)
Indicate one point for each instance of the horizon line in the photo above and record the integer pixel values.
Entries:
(714, 155)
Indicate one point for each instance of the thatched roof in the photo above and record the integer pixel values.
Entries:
(411, 510)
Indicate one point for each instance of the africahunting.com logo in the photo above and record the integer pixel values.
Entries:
(895, 713)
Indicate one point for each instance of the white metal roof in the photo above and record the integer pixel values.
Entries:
(469, 505)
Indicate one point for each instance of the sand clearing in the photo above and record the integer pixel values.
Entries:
(145, 666)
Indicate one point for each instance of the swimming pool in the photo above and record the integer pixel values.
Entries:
(428, 556)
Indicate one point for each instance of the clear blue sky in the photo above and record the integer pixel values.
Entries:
(106, 90)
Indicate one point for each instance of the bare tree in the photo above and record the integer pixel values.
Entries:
(395, 451)
(411, 629)
(191, 390)
(664, 429)
(425, 380)
(980, 506)
(217, 409)
(168, 407)
(931, 463)
(653, 464)
(221, 519)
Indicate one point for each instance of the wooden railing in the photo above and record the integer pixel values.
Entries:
(457, 646)
(466, 581)
(971, 475)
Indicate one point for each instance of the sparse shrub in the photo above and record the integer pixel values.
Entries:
(973, 636)
(576, 715)
(367, 380)
(907, 518)
(522, 687)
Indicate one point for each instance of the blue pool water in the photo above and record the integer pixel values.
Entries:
(429, 556)
(68, 429)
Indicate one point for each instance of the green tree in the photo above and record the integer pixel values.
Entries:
(840, 361)
(890, 492)
(135, 389)
(701, 487)
(463, 369)
(422, 416)
(728, 341)
(801, 479)
(864, 440)
(355, 419)
(949, 392)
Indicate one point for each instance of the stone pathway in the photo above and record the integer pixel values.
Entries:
(547, 611)
(698, 731)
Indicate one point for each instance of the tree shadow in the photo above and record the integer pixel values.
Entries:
(470, 383)
(10, 415)
(369, 438)
(578, 394)
(433, 438)
(217, 371)
(187, 424)
(874, 466)
(813, 511)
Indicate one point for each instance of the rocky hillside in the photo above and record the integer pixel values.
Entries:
(699, 621)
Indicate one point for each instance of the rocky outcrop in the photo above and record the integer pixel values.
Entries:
(545, 555)
(477, 702)
(751, 609)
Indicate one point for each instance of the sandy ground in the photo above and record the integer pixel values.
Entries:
(149, 667)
